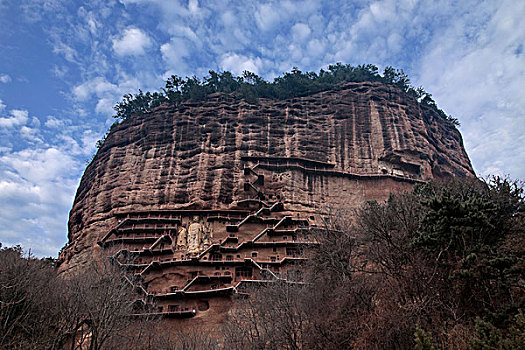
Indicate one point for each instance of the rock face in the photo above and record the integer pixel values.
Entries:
(202, 199)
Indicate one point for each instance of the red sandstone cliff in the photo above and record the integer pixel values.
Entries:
(336, 148)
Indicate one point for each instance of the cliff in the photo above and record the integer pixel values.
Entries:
(225, 180)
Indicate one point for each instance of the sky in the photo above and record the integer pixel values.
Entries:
(64, 64)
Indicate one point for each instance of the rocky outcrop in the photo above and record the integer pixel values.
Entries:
(223, 170)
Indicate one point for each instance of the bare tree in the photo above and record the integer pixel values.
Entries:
(105, 299)
(271, 317)
(94, 308)
(30, 316)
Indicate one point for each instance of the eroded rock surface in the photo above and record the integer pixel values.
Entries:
(221, 179)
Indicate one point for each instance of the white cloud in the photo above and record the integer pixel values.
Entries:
(174, 53)
(105, 105)
(267, 17)
(30, 134)
(228, 18)
(5, 78)
(167, 8)
(239, 63)
(316, 48)
(90, 20)
(37, 165)
(69, 53)
(2, 106)
(53, 122)
(60, 72)
(132, 42)
(35, 122)
(37, 186)
(193, 6)
(98, 86)
(300, 31)
(18, 117)
(185, 32)
(88, 142)
(39, 172)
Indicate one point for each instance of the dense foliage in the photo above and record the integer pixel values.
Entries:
(251, 87)
(439, 268)
(452, 255)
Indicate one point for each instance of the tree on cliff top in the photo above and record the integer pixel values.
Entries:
(251, 87)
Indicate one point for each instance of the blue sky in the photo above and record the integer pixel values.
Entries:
(64, 64)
